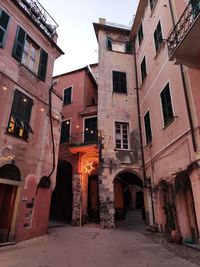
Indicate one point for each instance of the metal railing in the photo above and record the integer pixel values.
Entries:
(184, 24)
(38, 13)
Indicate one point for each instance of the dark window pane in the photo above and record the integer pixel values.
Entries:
(43, 65)
(143, 69)
(109, 43)
(4, 19)
(19, 44)
(158, 36)
(65, 132)
(67, 96)
(90, 133)
(166, 104)
(140, 34)
(147, 123)
(119, 82)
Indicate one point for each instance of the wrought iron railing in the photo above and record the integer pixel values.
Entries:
(184, 24)
(38, 13)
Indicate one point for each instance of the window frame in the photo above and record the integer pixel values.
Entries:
(18, 51)
(67, 88)
(168, 108)
(140, 34)
(5, 30)
(67, 139)
(95, 134)
(158, 37)
(147, 127)
(143, 69)
(120, 139)
(17, 125)
(117, 82)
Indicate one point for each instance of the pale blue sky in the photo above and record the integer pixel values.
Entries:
(76, 34)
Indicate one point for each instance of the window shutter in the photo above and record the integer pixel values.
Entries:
(128, 47)
(43, 65)
(19, 44)
(109, 43)
(4, 19)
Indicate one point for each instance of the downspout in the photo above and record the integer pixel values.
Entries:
(185, 89)
(140, 130)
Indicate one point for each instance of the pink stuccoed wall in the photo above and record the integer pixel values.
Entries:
(33, 157)
(171, 149)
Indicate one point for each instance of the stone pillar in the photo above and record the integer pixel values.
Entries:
(106, 198)
(76, 203)
(195, 182)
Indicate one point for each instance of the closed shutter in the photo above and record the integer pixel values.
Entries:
(119, 82)
(43, 65)
(4, 19)
(19, 44)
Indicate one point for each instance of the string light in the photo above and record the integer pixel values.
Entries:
(77, 126)
(67, 122)
(25, 100)
(9, 157)
(4, 88)
(42, 109)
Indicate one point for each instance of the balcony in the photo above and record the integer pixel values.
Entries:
(184, 40)
(39, 15)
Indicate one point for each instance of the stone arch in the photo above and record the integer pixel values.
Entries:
(10, 172)
(128, 193)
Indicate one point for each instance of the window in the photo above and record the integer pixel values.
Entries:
(152, 3)
(4, 19)
(121, 135)
(119, 82)
(143, 69)
(90, 130)
(166, 104)
(67, 96)
(158, 39)
(28, 53)
(140, 34)
(147, 124)
(109, 43)
(119, 46)
(65, 131)
(20, 115)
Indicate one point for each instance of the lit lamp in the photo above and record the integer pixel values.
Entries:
(88, 167)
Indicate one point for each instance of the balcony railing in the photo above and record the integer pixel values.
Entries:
(188, 18)
(38, 13)
(76, 139)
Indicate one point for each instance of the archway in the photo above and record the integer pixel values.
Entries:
(9, 179)
(128, 194)
(61, 200)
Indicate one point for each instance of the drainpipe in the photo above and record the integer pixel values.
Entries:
(185, 88)
(140, 130)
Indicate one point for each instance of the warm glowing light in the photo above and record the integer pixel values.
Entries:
(67, 122)
(25, 100)
(42, 109)
(88, 167)
(86, 129)
(9, 157)
(57, 117)
(5, 88)
(77, 126)
(92, 132)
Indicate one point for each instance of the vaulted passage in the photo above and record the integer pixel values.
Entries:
(61, 201)
(128, 193)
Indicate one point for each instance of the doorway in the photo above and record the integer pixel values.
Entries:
(61, 200)
(93, 199)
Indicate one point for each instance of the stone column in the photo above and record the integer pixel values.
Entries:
(106, 198)
(76, 203)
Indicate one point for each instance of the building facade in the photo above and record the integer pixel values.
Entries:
(75, 198)
(169, 114)
(30, 118)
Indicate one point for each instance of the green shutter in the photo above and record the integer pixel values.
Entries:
(4, 19)
(128, 47)
(43, 65)
(19, 44)
(109, 43)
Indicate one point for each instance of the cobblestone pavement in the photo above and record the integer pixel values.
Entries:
(130, 245)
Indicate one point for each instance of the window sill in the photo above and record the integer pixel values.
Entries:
(27, 69)
(122, 149)
(66, 104)
(16, 136)
(161, 47)
(121, 93)
(169, 122)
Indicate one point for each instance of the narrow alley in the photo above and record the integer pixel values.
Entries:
(68, 246)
